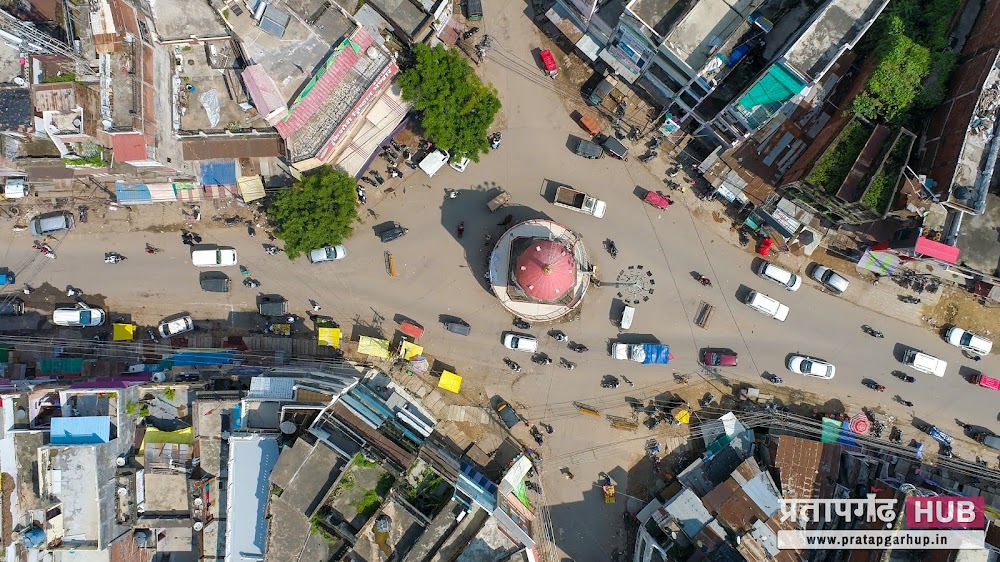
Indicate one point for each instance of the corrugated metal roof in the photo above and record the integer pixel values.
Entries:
(128, 147)
(690, 513)
(251, 188)
(84, 430)
(215, 148)
(271, 388)
(132, 193)
(251, 460)
(218, 172)
(60, 366)
(265, 94)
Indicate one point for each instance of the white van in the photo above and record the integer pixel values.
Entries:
(924, 363)
(213, 257)
(766, 305)
(786, 279)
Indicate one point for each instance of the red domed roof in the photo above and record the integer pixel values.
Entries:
(545, 270)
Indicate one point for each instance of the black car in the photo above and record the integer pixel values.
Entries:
(506, 413)
(393, 233)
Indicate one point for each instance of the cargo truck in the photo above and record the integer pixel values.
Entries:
(578, 201)
(645, 353)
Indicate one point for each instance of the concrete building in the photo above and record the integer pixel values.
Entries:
(251, 459)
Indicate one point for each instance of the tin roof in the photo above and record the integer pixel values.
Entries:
(128, 147)
(805, 466)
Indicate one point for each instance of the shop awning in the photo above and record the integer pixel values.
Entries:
(374, 347)
(450, 382)
(937, 250)
(122, 332)
(329, 337)
(251, 188)
(409, 350)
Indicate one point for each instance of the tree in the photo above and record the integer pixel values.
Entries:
(317, 211)
(456, 109)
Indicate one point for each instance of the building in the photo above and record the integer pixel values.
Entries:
(539, 270)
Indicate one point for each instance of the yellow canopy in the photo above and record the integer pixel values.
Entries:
(450, 381)
(122, 332)
(411, 350)
(181, 437)
(683, 416)
(374, 347)
(329, 337)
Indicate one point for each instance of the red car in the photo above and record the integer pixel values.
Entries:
(719, 358)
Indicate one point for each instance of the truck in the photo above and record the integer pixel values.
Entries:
(434, 162)
(645, 353)
(985, 382)
(578, 201)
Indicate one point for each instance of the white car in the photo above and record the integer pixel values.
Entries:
(177, 326)
(811, 367)
(830, 279)
(81, 316)
(968, 341)
(461, 165)
(519, 342)
(327, 253)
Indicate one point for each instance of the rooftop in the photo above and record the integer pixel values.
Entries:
(660, 15)
(210, 97)
(16, 114)
(403, 15)
(705, 27)
(293, 59)
(166, 493)
(233, 147)
(251, 458)
(806, 466)
(82, 478)
(181, 19)
(690, 513)
(84, 430)
(836, 28)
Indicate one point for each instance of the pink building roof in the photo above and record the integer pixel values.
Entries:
(263, 91)
(128, 147)
(545, 270)
(303, 110)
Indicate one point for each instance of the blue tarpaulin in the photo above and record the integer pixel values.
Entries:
(197, 358)
(83, 430)
(218, 172)
(656, 354)
(133, 193)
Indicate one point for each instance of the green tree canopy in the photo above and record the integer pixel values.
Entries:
(456, 109)
(898, 77)
(317, 211)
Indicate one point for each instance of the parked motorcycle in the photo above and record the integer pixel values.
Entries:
(495, 141)
(872, 331)
(367, 180)
(251, 283)
(610, 382)
(655, 143)
(470, 33)
(521, 324)
(628, 382)
(152, 335)
(250, 229)
(45, 249)
(875, 386)
(565, 364)
(537, 435)
(394, 172)
(113, 257)
(396, 145)
(377, 176)
(903, 376)
(272, 250)
(513, 365)
(361, 194)
(648, 156)
(82, 209)
(558, 335)
(774, 379)
(909, 300)
(541, 359)
(744, 238)
(613, 249)
(704, 280)
(461, 229)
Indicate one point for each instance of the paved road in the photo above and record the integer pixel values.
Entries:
(439, 274)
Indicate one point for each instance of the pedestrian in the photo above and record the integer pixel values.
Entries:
(317, 308)
(28, 290)
(976, 358)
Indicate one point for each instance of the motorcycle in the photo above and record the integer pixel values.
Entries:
(112, 257)
(774, 379)
(152, 335)
(367, 180)
(872, 331)
(377, 176)
(495, 141)
(542, 359)
(394, 172)
(396, 145)
(704, 280)
(578, 347)
(612, 249)
(470, 33)
(875, 386)
(896, 435)
(904, 377)
(559, 336)
(361, 194)
(461, 229)
(521, 324)
(537, 435)
(566, 364)
(251, 283)
(628, 382)
(648, 156)
(744, 238)
(610, 382)
(45, 249)
(909, 300)
(673, 170)
(82, 209)
(513, 366)
(655, 143)
(273, 250)
(250, 230)
(548, 428)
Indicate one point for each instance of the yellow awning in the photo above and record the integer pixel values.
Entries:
(180, 437)
(683, 416)
(251, 188)
(329, 337)
(374, 347)
(122, 332)
(411, 350)
(450, 381)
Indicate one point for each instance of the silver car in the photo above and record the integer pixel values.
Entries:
(327, 253)
(810, 366)
(830, 279)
